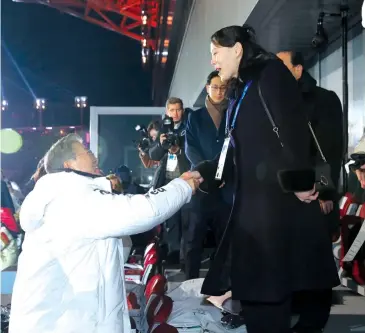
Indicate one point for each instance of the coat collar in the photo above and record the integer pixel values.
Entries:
(307, 83)
(81, 173)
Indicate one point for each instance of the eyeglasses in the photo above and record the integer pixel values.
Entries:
(221, 88)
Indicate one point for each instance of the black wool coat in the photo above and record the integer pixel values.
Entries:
(273, 244)
(324, 110)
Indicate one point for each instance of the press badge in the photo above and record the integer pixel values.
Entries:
(222, 158)
(171, 162)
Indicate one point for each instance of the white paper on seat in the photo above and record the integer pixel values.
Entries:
(133, 266)
(187, 289)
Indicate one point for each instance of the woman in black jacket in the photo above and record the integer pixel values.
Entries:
(276, 242)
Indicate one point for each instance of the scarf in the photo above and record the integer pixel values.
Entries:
(216, 110)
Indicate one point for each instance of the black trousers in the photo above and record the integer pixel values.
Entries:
(204, 211)
(313, 308)
(267, 317)
(172, 231)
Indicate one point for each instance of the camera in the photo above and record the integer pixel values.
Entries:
(172, 138)
(144, 142)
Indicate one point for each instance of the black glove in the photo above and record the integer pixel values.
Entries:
(207, 170)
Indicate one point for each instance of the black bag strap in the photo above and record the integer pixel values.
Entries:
(274, 127)
(317, 143)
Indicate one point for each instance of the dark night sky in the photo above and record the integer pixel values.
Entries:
(62, 56)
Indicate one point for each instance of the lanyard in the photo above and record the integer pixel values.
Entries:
(228, 131)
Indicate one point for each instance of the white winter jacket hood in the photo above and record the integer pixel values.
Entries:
(70, 275)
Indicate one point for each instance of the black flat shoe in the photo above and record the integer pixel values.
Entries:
(231, 321)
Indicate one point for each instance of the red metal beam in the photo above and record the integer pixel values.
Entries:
(103, 13)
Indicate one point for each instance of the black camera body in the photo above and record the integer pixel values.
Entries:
(172, 138)
(144, 142)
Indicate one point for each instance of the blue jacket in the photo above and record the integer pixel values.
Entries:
(203, 141)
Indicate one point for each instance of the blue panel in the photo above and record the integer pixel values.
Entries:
(7, 282)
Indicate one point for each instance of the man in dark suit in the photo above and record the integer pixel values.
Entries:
(324, 111)
(205, 134)
(325, 114)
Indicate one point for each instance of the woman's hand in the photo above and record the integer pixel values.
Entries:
(307, 196)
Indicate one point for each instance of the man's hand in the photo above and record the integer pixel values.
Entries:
(307, 196)
(361, 176)
(162, 138)
(326, 206)
(193, 178)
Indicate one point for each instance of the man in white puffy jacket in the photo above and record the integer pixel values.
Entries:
(70, 273)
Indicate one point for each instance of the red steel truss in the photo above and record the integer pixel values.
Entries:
(132, 18)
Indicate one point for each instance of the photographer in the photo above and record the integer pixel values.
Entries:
(152, 130)
(169, 150)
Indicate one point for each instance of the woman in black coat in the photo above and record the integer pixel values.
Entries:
(276, 241)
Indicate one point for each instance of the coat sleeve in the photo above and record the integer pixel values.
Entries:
(329, 132)
(192, 150)
(293, 168)
(110, 215)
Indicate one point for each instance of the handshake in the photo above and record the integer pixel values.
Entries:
(193, 178)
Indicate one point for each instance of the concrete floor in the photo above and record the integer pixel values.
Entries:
(349, 315)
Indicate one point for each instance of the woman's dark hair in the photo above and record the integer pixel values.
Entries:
(155, 124)
(245, 35)
(211, 76)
